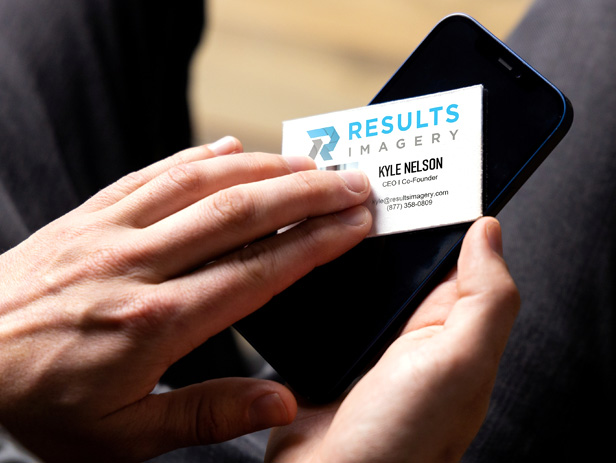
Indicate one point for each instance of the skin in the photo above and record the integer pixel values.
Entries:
(426, 398)
(98, 304)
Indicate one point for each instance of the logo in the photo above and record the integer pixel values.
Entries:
(319, 147)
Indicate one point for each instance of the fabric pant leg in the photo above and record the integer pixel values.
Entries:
(553, 399)
(89, 90)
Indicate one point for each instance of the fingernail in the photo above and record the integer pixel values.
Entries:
(495, 238)
(356, 180)
(226, 145)
(299, 163)
(355, 216)
(267, 411)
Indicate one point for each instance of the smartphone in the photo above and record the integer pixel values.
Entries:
(328, 328)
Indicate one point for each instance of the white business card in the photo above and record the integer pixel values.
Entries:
(423, 156)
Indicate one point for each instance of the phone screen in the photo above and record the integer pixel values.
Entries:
(327, 328)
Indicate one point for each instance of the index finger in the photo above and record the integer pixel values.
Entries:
(135, 180)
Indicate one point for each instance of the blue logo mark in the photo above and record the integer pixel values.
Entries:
(325, 149)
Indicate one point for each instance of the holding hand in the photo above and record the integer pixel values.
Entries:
(426, 398)
(98, 304)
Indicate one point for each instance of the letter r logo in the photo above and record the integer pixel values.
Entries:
(325, 149)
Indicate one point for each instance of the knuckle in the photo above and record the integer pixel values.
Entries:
(111, 260)
(72, 240)
(137, 312)
(234, 207)
(146, 311)
(310, 240)
(509, 294)
(186, 176)
(217, 428)
(132, 180)
(513, 301)
(256, 159)
(101, 262)
(182, 157)
(255, 264)
(307, 180)
(74, 228)
(513, 294)
(266, 162)
(322, 190)
(309, 191)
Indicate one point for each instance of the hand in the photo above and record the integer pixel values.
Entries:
(426, 398)
(96, 305)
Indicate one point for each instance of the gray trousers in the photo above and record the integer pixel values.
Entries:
(90, 90)
(554, 396)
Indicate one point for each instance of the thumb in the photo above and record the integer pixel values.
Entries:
(206, 413)
(488, 297)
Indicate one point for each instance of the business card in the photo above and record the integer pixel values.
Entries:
(423, 156)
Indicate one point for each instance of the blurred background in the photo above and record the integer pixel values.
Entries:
(263, 62)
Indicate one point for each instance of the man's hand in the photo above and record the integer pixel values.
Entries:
(426, 398)
(95, 306)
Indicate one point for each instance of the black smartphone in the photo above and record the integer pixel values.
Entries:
(329, 327)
